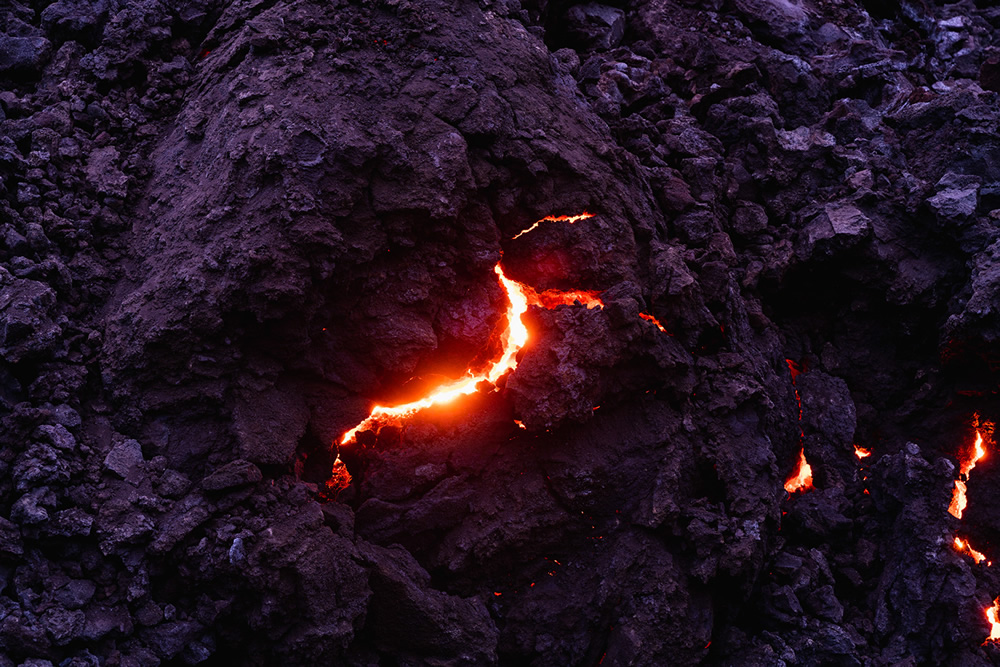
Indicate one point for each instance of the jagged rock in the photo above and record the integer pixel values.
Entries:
(952, 205)
(232, 475)
(78, 19)
(57, 435)
(104, 173)
(124, 457)
(31, 508)
(75, 594)
(269, 426)
(26, 325)
(595, 26)
(72, 522)
(63, 626)
(836, 227)
(23, 54)
(10, 539)
(415, 619)
(102, 620)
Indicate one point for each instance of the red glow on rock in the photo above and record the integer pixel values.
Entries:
(514, 338)
(802, 480)
(339, 478)
(795, 369)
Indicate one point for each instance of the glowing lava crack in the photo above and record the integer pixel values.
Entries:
(514, 338)
(958, 499)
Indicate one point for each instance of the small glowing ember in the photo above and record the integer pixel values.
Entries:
(861, 452)
(958, 499)
(991, 616)
(570, 219)
(650, 318)
(514, 338)
(962, 546)
(802, 480)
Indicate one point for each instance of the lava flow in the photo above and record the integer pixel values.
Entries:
(991, 616)
(514, 338)
(569, 219)
(963, 547)
(802, 480)
(650, 318)
(958, 499)
(861, 452)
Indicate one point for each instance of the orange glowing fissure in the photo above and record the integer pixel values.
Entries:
(520, 296)
(514, 338)
(958, 499)
(861, 452)
(568, 219)
(802, 480)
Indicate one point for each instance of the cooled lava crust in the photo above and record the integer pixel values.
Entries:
(229, 229)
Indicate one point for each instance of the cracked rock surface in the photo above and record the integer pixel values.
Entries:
(229, 228)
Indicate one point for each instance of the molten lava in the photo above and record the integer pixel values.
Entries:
(802, 480)
(991, 616)
(551, 298)
(650, 318)
(861, 452)
(958, 499)
(570, 219)
(963, 547)
(514, 338)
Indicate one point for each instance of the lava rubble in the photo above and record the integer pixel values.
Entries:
(229, 228)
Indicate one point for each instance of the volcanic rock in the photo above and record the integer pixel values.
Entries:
(23, 54)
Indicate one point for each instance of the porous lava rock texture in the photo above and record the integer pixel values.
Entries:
(228, 228)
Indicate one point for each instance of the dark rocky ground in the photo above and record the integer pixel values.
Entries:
(230, 226)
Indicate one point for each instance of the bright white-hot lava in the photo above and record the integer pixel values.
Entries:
(958, 499)
(991, 616)
(802, 480)
(514, 338)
